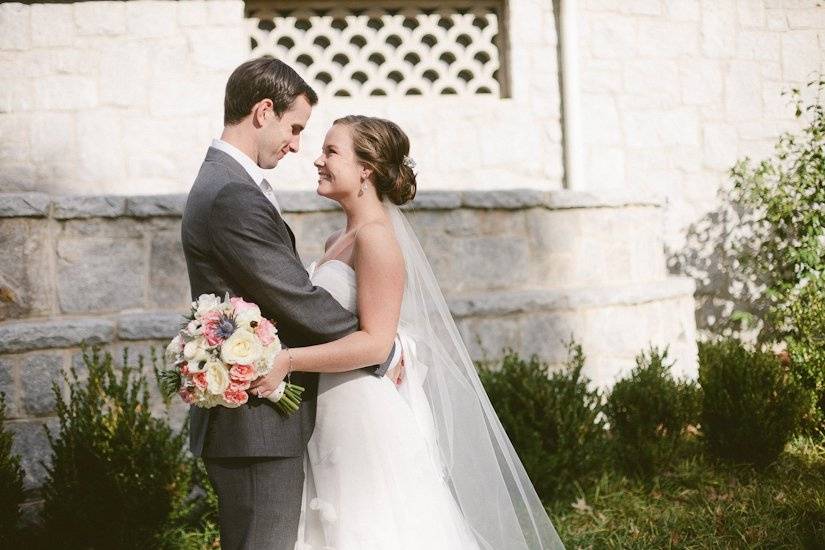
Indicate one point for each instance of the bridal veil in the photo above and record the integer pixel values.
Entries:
(467, 440)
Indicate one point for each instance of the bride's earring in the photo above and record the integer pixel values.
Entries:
(363, 188)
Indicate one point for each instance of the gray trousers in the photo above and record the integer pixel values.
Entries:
(259, 501)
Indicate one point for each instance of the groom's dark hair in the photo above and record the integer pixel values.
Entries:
(263, 78)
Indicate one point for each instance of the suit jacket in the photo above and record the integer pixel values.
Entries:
(235, 241)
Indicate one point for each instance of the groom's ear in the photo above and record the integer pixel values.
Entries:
(261, 111)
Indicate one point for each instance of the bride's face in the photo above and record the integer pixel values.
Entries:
(339, 172)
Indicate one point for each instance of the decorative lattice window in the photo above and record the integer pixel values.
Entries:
(383, 48)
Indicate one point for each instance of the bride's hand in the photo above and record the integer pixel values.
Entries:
(264, 385)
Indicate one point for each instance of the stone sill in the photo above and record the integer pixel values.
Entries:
(21, 336)
(41, 205)
(538, 300)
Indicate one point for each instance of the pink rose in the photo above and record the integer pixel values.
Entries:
(199, 378)
(235, 397)
(187, 395)
(242, 373)
(240, 305)
(265, 331)
(211, 323)
(238, 386)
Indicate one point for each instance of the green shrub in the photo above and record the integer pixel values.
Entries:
(649, 414)
(11, 485)
(806, 351)
(552, 419)
(752, 405)
(117, 473)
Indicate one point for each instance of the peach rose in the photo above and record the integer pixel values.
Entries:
(235, 397)
(242, 373)
(199, 378)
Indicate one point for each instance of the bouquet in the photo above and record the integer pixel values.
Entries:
(224, 346)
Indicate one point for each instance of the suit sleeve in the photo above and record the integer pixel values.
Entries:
(257, 255)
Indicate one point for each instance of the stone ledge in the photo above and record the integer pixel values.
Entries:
(150, 206)
(24, 205)
(158, 325)
(50, 334)
(73, 207)
(172, 205)
(524, 301)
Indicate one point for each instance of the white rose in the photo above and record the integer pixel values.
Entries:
(245, 317)
(173, 350)
(194, 352)
(217, 378)
(241, 348)
(267, 361)
(206, 303)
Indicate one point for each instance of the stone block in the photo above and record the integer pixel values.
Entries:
(52, 136)
(600, 120)
(642, 7)
(655, 81)
(125, 84)
(150, 325)
(605, 167)
(150, 206)
(776, 19)
(37, 372)
(65, 92)
(218, 48)
(751, 14)
(812, 17)
(8, 387)
(226, 12)
(151, 18)
(32, 445)
(614, 37)
(168, 278)
(657, 128)
(505, 199)
(100, 146)
(100, 18)
(184, 96)
(718, 28)
(546, 334)
(96, 206)
(15, 22)
(683, 10)
(720, 146)
(192, 13)
(64, 333)
(15, 95)
(799, 50)
(759, 45)
(100, 274)
(486, 339)
(19, 205)
(667, 39)
(25, 287)
(602, 76)
(701, 82)
(52, 25)
(742, 82)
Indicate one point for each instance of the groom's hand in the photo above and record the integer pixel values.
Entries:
(264, 385)
(396, 374)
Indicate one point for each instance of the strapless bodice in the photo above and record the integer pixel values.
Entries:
(337, 278)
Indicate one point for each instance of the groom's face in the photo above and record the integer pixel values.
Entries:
(282, 135)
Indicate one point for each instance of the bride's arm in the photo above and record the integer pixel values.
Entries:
(379, 268)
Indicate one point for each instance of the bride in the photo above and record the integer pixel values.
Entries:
(425, 463)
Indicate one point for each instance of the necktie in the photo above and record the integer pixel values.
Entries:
(269, 193)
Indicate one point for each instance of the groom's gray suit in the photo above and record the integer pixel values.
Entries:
(235, 241)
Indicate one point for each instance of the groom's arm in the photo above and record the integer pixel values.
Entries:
(256, 254)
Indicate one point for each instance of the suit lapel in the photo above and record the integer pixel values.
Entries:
(216, 155)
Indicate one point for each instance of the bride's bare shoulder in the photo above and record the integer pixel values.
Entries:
(375, 244)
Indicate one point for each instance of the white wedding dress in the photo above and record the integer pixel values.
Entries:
(373, 479)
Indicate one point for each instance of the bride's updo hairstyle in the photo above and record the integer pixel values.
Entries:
(384, 148)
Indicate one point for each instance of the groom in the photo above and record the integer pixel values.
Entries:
(236, 241)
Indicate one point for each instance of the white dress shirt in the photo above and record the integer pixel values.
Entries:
(251, 168)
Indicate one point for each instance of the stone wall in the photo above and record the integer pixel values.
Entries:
(520, 269)
(674, 91)
(124, 97)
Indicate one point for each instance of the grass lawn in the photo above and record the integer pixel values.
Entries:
(701, 503)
